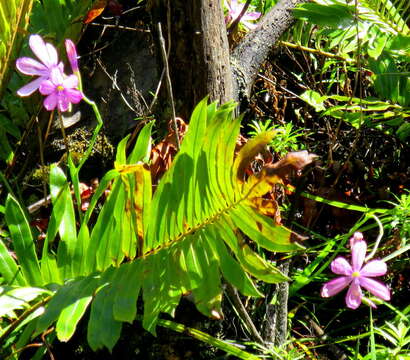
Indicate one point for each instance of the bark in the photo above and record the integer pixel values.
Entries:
(276, 321)
(199, 54)
(248, 57)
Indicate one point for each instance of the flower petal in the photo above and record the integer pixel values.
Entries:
(47, 87)
(71, 55)
(41, 50)
(254, 15)
(70, 82)
(52, 54)
(375, 287)
(50, 102)
(248, 24)
(357, 236)
(358, 254)
(63, 103)
(32, 86)
(57, 76)
(374, 268)
(354, 296)
(29, 66)
(341, 266)
(73, 95)
(334, 286)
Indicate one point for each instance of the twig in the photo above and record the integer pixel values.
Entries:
(338, 352)
(38, 204)
(168, 81)
(233, 294)
(22, 317)
(43, 337)
(115, 85)
(315, 51)
(120, 27)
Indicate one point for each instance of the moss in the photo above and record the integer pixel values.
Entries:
(40, 175)
(78, 142)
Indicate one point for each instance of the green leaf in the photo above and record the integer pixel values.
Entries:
(17, 298)
(64, 302)
(9, 127)
(103, 329)
(71, 315)
(126, 296)
(314, 99)
(142, 148)
(388, 82)
(23, 242)
(232, 271)
(63, 212)
(8, 267)
(336, 16)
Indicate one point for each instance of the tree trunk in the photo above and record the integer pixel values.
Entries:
(199, 53)
(248, 57)
(199, 59)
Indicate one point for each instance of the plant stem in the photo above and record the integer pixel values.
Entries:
(379, 237)
(169, 84)
(206, 338)
(75, 170)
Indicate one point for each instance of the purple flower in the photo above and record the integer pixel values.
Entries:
(356, 275)
(61, 90)
(47, 54)
(72, 55)
(235, 9)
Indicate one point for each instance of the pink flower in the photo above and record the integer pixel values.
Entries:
(72, 55)
(61, 90)
(235, 9)
(357, 275)
(28, 66)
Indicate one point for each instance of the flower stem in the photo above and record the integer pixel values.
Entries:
(60, 120)
(74, 170)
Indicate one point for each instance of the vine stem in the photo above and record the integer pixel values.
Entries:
(379, 237)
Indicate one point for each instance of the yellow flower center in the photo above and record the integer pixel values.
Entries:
(356, 274)
(60, 88)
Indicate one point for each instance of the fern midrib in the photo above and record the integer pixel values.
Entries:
(204, 224)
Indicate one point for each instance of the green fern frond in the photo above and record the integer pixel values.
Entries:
(391, 15)
(195, 230)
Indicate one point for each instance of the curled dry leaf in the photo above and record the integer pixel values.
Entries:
(259, 184)
(163, 153)
(292, 162)
(95, 11)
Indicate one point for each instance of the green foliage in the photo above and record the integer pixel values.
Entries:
(397, 334)
(65, 22)
(263, 6)
(184, 238)
(372, 39)
(13, 23)
(285, 139)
